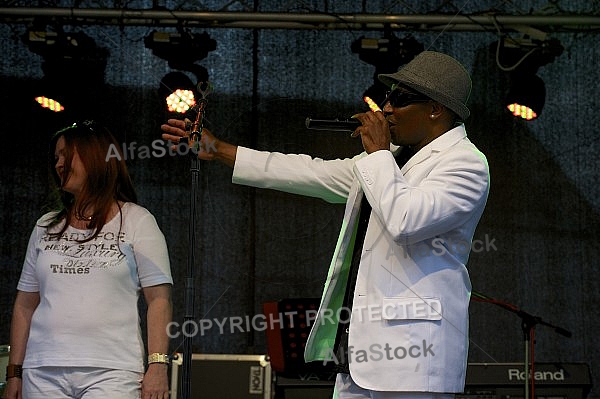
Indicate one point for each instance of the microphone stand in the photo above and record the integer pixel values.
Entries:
(528, 323)
(196, 146)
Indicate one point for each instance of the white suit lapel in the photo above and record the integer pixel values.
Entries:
(322, 335)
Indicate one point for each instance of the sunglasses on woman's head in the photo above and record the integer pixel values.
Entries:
(89, 125)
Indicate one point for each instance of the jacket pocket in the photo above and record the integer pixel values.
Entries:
(411, 308)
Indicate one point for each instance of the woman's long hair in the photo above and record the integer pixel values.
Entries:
(107, 177)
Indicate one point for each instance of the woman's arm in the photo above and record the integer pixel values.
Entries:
(159, 314)
(25, 305)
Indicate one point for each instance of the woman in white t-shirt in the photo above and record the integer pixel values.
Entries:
(75, 329)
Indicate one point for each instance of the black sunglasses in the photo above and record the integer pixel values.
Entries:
(399, 99)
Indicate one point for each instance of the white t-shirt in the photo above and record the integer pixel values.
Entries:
(88, 314)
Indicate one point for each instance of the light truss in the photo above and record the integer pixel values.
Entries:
(315, 21)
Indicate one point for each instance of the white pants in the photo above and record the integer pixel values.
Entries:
(81, 383)
(346, 388)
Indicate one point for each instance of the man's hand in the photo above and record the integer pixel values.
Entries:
(210, 149)
(374, 132)
(175, 129)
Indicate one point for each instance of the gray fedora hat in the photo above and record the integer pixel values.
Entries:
(439, 77)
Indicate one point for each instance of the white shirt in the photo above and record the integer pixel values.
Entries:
(88, 313)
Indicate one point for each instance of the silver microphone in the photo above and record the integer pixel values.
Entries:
(334, 125)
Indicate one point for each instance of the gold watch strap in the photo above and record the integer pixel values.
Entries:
(158, 358)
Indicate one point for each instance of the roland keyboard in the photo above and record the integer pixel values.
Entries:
(507, 381)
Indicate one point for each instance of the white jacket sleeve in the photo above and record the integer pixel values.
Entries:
(329, 180)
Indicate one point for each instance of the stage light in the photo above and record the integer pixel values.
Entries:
(178, 91)
(180, 101)
(50, 94)
(522, 58)
(181, 50)
(527, 96)
(73, 67)
(387, 54)
(49, 103)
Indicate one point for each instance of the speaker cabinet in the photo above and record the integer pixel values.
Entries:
(225, 377)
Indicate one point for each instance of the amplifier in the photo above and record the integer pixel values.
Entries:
(225, 376)
(296, 388)
(507, 381)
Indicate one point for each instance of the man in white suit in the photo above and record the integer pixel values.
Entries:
(405, 283)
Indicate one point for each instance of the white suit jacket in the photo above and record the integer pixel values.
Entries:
(409, 324)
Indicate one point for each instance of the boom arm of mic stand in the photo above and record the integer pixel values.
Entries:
(526, 317)
(528, 323)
